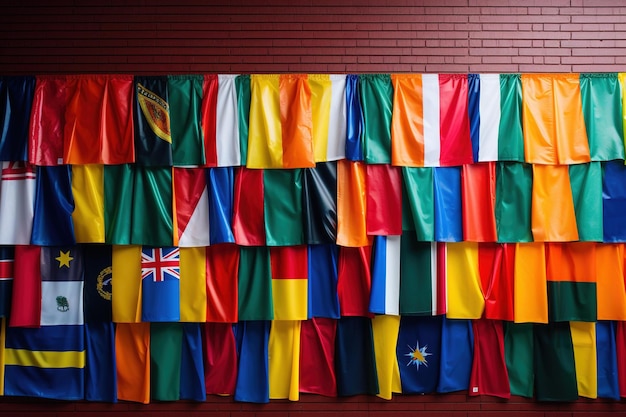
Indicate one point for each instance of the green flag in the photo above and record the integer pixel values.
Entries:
(586, 183)
(518, 353)
(554, 366)
(377, 104)
(510, 136)
(166, 340)
(283, 207)
(514, 183)
(242, 84)
(255, 284)
(419, 192)
(417, 284)
(151, 218)
(118, 202)
(185, 98)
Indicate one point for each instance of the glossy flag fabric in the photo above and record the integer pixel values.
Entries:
(252, 339)
(317, 356)
(513, 206)
(46, 129)
(456, 145)
(351, 204)
(610, 286)
(165, 361)
(284, 359)
(283, 207)
(222, 263)
(27, 286)
(132, 347)
(407, 124)
(376, 94)
(319, 203)
(220, 359)
(464, 292)
(289, 282)
(530, 287)
(385, 293)
(419, 353)
(496, 266)
(98, 120)
(354, 119)
(613, 200)
(242, 84)
(419, 192)
(554, 364)
(248, 207)
(586, 184)
(606, 349)
(354, 281)
(126, 283)
(192, 383)
(510, 134)
(151, 120)
(193, 284)
(385, 332)
(17, 202)
(328, 107)
(280, 134)
(54, 204)
(254, 290)
(585, 358)
(478, 191)
(191, 199)
(457, 350)
(603, 121)
(489, 372)
(220, 182)
(518, 353)
(384, 200)
(448, 204)
(16, 101)
(160, 284)
(323, 300)
(88, 214)
(7, 273)
(184, 95)
(355, 362)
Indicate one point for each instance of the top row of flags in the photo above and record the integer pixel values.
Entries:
(297, 120)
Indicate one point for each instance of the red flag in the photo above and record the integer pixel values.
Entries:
(496, 265)
(209, 118)
(220, 360)
(384, 200)
(354, 280)
(222, 270)
(479, 200)
(26, 287)
(317, 357)
(248, 209)
(489, 373)
(456, 145)
(47, 125)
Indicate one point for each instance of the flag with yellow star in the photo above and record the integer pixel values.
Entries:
(61, 286)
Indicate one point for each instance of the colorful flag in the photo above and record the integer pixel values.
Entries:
(166, 341)
(457, 352)
(17, 203)
(463, 285)
(385, 333)
(510, 134)
(192, 383)
(354, 280)
(601, 101)
(514, 185)
(419, 353)
(151, 218)
(193, 284)
(49, 361)
(289, 282)
(448, 204)
(610, 286)
(242, 83)
(184, 96)
(160, 284)
(384, 200)
(317, 356)
(351, 204)
(191, 200)
(119, 183)
(248, 207)
(518, 352)
(606, 348)
(323, 300)
(283, 207)
(422, 277)
(16, 101)
(489, 371)
(613, 201)
(252, 338)
(478, 191)
(221, 114)
(385, 293)
(220, 359)
(585, 358)
(126, 283)
(328, 105)
(132, 348)
(419, 192)
(530, 287)
(220, 182)
(571, 276)
(586, 184)
(554, 126)
(222, 269)
(88, 214)
(280, 133)
(151, 119)
(284, 359)
(376, 93)
(26, 286)
(255, 284)
(98, 120)
(45, 137)
(354, 119)
(555, 371)
(496, 265)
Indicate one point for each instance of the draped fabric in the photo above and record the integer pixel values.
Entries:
(265, 235)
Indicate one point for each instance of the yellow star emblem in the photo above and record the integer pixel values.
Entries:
(64, 259)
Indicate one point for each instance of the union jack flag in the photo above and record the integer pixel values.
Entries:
(160, 264)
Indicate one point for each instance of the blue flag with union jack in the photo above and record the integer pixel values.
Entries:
(160, 277)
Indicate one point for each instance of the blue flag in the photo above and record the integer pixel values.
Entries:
(192, 385)
(160, 275)
(355, 362)
(473, 110)
(354, 118)
(54, 204)
(448, 204)
(252, 338)
(606, 350)
(614, 200)
(323, 298)
(221, 182)
(419, 353)
(100, 367)
(16, 99)
(457, 353)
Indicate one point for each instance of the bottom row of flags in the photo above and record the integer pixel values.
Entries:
(256, 361)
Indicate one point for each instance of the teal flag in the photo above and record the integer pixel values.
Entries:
(377, 105)
(419, 192)
(283, 207)
(166, 341)
(119, 183)
(255, 284)
(185, 99)
(242, 84)
(518, 353)
(510, 136)
(514, 183)
(151, 218)
(586, 183)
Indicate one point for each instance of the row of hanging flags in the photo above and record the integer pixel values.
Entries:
(259, 236)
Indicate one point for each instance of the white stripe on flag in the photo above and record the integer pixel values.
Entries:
(392, 275)
(337, 124)
(489, 117)
(197, 231)
(432, 145)
(17, 208)
(227, 124)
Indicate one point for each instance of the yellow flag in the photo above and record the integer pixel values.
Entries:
(321, 96)
(585, 357)
(284, 359)
(88, 191)
(385, 330)
(465, 297)
(193, 284)
(126, 283)
(530, 288)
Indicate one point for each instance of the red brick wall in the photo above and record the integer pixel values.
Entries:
(155, 36)
(327, 36)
